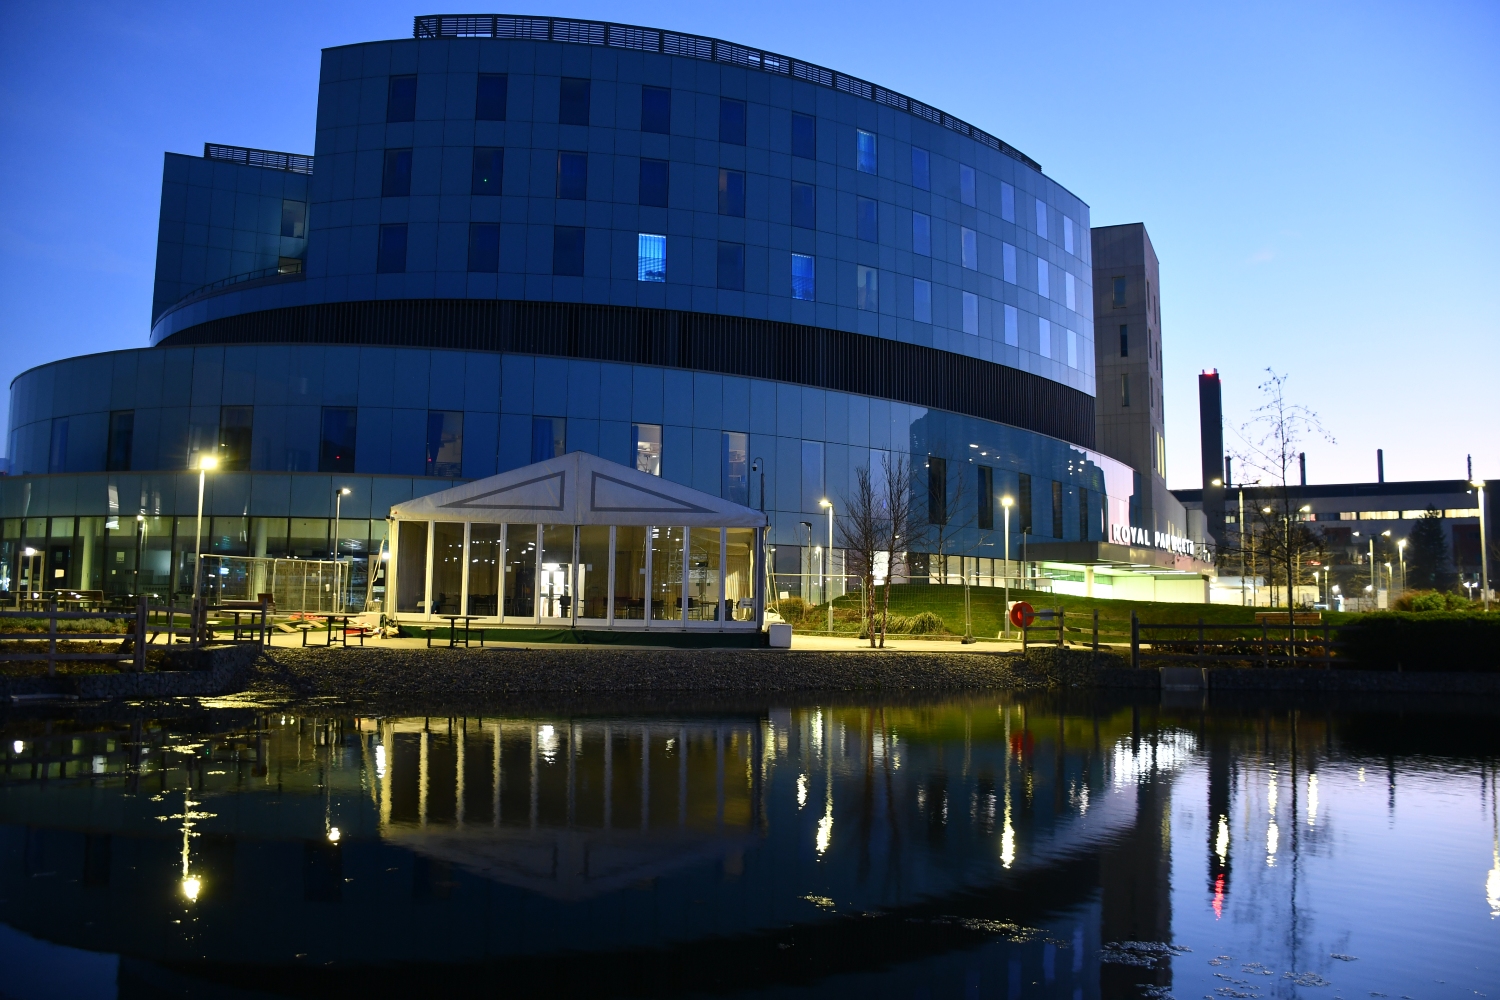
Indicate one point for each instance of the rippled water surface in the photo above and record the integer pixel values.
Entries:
(984, 847)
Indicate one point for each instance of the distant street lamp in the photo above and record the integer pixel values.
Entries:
(205, 464)
(1005, 504)
(828, 563)
(338, 501)
(1401, 552)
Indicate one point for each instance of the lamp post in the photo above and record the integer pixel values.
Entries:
(206, 463)
(1005, 504)
(1401, 553)
(338, 501)
(807, 574)
(30, 555)
(1484, 555)
(828, 563)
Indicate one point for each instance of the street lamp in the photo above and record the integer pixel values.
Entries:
(205, 465)
(1006, 503)
(338, 500)
(1401, 552)
(828, 563)
(1484, 555)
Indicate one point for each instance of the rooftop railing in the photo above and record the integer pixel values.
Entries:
(290, 268)
(270, 159)
(627, 36)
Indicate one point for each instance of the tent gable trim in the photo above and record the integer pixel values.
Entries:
(617, 500)
(547, 492)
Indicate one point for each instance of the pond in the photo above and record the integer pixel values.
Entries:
(992, 846)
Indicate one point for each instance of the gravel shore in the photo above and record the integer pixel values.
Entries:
(361, 674)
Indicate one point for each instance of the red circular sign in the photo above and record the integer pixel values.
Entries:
(1022, 614)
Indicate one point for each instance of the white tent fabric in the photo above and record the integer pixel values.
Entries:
(578, 488)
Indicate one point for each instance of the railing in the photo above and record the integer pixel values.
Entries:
(629, 36)
(144, 625)
(1276, 643)
(280, 270)
(270, 159)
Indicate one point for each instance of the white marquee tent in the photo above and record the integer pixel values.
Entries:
(578, 541)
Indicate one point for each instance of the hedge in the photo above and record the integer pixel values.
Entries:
(1428, 641)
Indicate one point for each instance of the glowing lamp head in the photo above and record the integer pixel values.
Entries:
(208, 463)
(1006, 501)
(825, 503)
(344, 491)
(1216, 482)
(190, 888)
(333, 835)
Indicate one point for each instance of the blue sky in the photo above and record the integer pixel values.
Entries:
(1319, 180)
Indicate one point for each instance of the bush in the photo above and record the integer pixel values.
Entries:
(1433, 600)
(922, 623)
(1422, 641)
(64, 625)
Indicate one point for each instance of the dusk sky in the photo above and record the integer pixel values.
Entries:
(1319, 180)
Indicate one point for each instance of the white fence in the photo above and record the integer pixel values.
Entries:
(322, 586)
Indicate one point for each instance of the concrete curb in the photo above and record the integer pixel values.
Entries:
(212, 670)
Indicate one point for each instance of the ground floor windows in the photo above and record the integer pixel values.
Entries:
(564, 574)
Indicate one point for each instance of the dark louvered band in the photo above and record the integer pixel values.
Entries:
(729, 345)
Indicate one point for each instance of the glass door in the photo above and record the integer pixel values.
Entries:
(520, 572)
(555, 585)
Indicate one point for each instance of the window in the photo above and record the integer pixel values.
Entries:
(484, 247)
(445, 443)
(390, 257)
(1041, 218)
(656, 110)
(549, 438)
(336, 443)
(867, 288)
(1057, 513)
(734, 468)
(921, 300)
(732, 193)
(651, 257)
(645, 445)
(401, 99)
(121, 440)
(971, 314)
(288, 265)
(1124, 341)
(804, 136)
(490, 96)
(1023, 502)
(1043, 279)
(1083, 514)
(57, 453)
(1125, 389)
(1069, 290)
(804, 206)
(1012, 326)
(921, 234)
(985, 499)
(937, 490)
(812, 475)
(234, 437)
(966, 184)
(921, 169)
(395, 181)
(1044, 338)
(1067, 234)
(1007, 202)
(969, 243)
(803, 277)
(294, 219)
(732, 267)
(1008, 262)
(1119, 299)
(655, 176)
(573, 101)
(573, 176)
(567, 250)
(864, 151)
(731, 121)
(866, 220)
(489, 170)
(1072, 349)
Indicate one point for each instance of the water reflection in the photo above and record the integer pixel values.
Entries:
(1007, 847)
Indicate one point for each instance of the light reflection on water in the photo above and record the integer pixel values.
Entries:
(1003, 847)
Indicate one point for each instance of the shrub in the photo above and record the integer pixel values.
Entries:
(1433, 600)
(1422, 641)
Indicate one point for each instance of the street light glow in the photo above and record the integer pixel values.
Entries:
(1006, 501)
(208, 463)
(1216, 482)
(825, 502)
(344, 491)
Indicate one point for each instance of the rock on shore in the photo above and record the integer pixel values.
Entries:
(449, 673)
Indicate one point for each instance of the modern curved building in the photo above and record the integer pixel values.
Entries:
(519, 237)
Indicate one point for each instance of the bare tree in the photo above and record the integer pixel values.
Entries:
(943, 525)
(1272, 439)
(899, 524)
(862, 532)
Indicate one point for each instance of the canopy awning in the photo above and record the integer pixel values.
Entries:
(579, 488)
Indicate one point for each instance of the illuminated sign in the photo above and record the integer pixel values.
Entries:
(1124, 534)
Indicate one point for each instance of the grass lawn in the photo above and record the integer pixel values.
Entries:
(987, 605)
